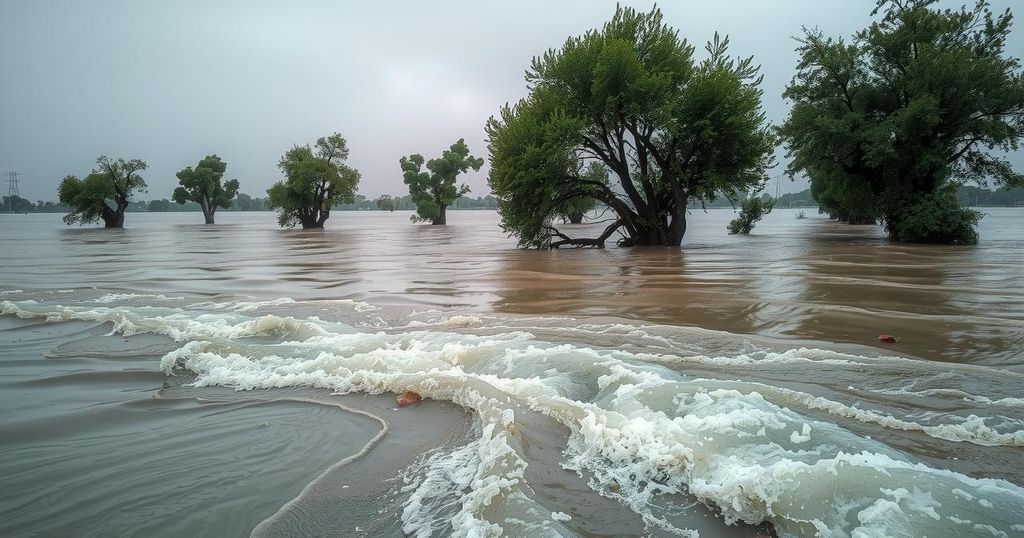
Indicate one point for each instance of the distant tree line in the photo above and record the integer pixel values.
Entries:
(967, 195)
(244, 202)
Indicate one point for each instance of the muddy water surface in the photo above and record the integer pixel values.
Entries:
(177, 378)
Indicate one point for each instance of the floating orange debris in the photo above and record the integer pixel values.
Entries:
(887, 338)
(408, 398)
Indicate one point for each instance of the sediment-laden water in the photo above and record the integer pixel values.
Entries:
(173, 379)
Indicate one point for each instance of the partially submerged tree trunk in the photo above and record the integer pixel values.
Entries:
(314, 218)
(114, 218)
(575, 218)
(208, 211)
(650, 225)
(442, 215)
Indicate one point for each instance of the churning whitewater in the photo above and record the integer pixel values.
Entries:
(654, 424)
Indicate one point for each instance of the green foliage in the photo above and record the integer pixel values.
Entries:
(244, 202)
(920, 98)
(104, 194)
(631, 98)
(386, 203)
(752, 209)
(935, 218)
(158, 205)
(16, 204)
(202, 185)
(434, 189)
(316, 179)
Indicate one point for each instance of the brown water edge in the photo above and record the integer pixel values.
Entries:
(808, 279)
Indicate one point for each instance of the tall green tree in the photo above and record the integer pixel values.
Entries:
(631, 97)
(434, 189)
(203, 185)
(316, 179)
(921, 99)
(104, 194)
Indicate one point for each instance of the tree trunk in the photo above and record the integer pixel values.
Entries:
(442, 216)
(208, 215)
(575, 218)
(113, 218)
(310, 223)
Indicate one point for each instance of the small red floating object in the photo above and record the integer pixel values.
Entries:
(408, 398)
(887, 338)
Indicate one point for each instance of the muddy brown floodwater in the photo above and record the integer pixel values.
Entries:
(805, 279)
(174, 378)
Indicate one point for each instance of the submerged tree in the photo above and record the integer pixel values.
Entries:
(631, 97)
(104, 194)
(752, 209)
(886, 125)
(385, 203)
(316, 179)
(434, 189)
(202, 185)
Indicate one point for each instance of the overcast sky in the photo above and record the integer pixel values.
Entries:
(170, 82)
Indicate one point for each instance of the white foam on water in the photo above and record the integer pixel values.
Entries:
(1008, 401)
(435, 490)
(638, 429)
(448, 322)
(971, 429)
(122, 297)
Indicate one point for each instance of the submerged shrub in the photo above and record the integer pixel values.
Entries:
(751, 210)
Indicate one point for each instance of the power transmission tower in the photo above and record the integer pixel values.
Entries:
(12, 189)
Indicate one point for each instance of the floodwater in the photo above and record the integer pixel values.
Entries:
(174, 378)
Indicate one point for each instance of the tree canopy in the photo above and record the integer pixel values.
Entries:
(920, 99)
(104, 194)
(434, 189)
(631, 97)
(316, 179)
(203, 185)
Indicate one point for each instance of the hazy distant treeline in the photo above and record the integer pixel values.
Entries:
(244, 202)
(968, 195)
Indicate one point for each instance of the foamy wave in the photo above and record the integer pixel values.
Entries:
(971, 429)
(1008, 401)
(639, 430)
(122, 297)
